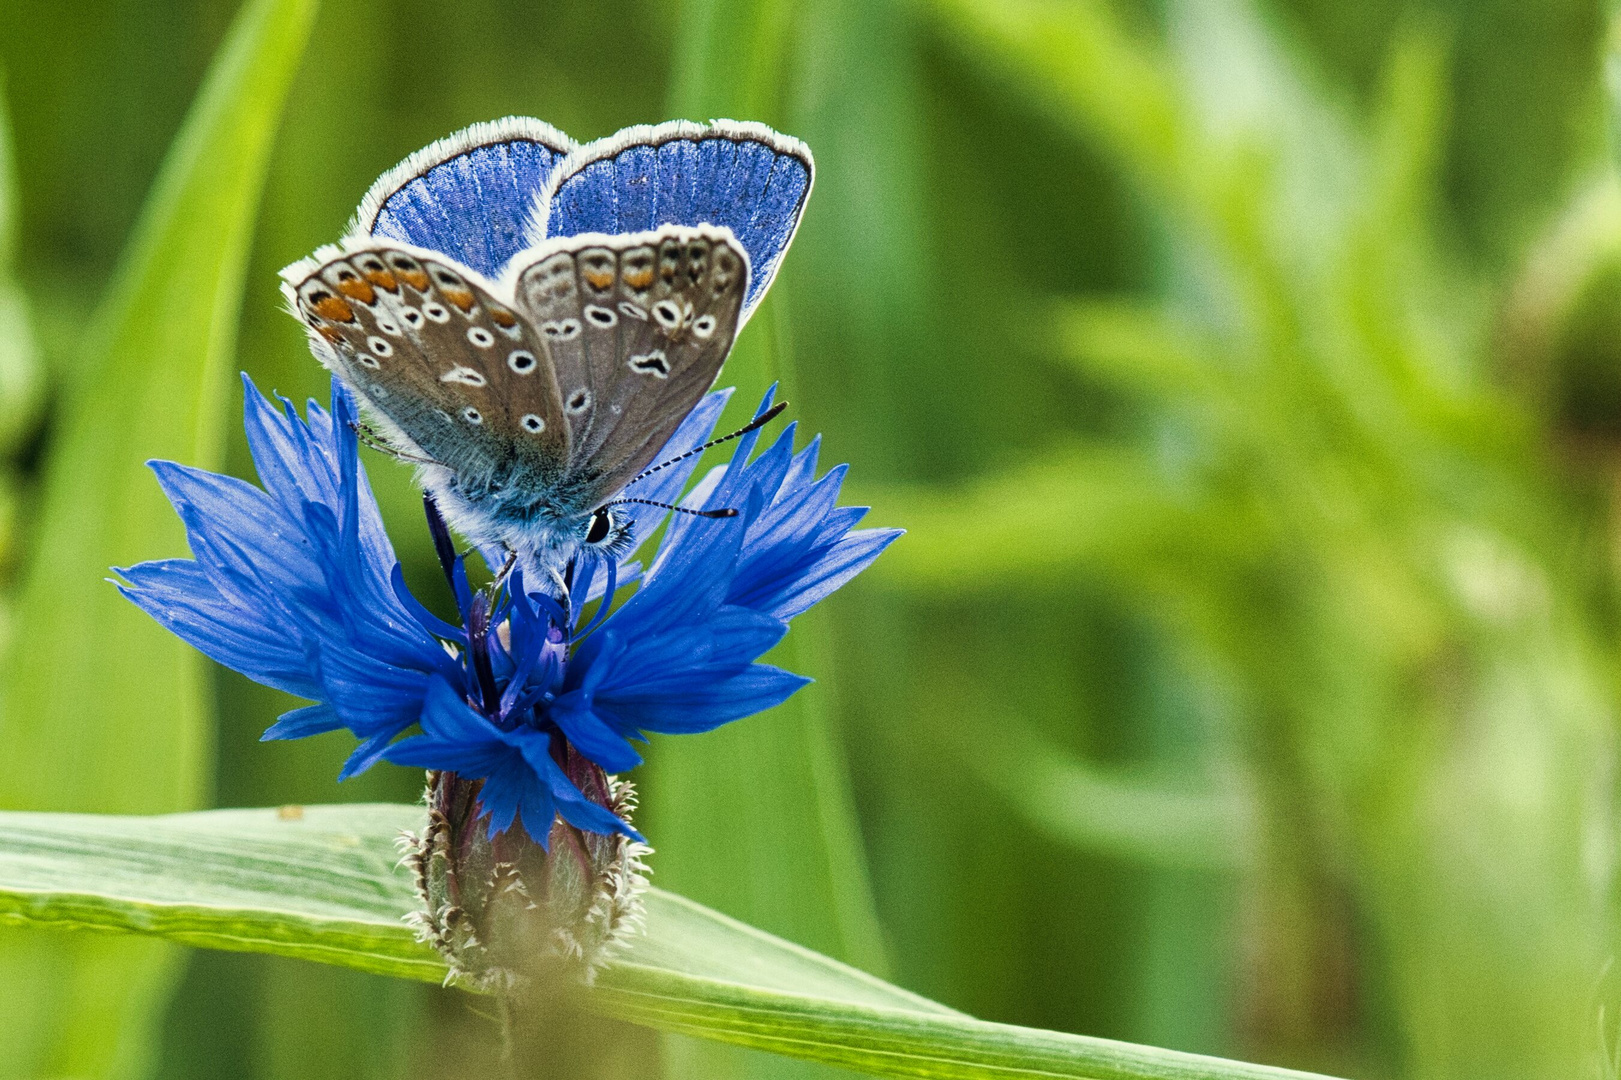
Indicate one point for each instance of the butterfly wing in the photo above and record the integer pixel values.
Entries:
(743, 176)
(456, 372)
(469, 194)
(636, 326)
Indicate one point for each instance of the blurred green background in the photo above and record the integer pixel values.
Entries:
(1248, 376)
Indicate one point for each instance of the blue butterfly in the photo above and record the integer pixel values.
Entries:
(529, 320)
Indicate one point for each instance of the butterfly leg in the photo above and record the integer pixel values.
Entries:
(376, 442)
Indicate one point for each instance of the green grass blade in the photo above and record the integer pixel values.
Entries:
(782, 851)
(92, 672)
(8, 187)
(756, 818)
(19, 354)
(323, 883)
(1158, 820)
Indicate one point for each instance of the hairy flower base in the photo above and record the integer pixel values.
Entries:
(503, 911)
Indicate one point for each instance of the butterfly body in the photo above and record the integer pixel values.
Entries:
(531, 388)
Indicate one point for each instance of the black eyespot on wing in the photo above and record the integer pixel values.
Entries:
(653, 363)
(667, 314)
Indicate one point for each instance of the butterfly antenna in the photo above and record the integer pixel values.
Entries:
(753, 425)
(728, 512)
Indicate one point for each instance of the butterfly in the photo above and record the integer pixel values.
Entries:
(529, 320)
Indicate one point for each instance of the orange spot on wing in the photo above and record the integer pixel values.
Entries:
(417, 279)
(330, 334)
(383, 280)
(335, 308)
(461, 298)
(639, 279)
(598, 279)
(356, 289)
(503, 317)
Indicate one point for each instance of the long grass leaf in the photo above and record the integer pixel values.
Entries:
(322, 883)
(92, 674)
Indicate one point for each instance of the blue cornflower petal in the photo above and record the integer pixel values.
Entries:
(298, 723)
(814, 580)
(684, 707)
(180, 596)
(367, 754)
(430, 622)
(454, 736)
(520, 777)
(575, 808)
(574, 714)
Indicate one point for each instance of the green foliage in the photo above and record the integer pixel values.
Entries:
(19, 361)
(323, 883)
(90, 672)
(1357, 524)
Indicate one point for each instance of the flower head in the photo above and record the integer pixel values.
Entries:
(296, 585)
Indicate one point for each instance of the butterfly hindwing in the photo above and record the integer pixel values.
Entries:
(636, 326)
(468, 195)
(431, 347)
(743, 176)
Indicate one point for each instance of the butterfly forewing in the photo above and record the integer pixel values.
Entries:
(456, 370)
(636, 327)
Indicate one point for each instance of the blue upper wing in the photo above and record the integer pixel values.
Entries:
(470, 194)
(744, 176)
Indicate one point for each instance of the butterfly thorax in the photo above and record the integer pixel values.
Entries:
(522, 507)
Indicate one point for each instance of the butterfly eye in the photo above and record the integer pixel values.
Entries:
(601, 525)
